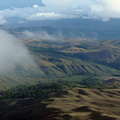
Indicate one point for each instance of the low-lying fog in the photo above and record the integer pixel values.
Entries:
(42, 34)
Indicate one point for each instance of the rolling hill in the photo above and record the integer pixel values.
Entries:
(66, 57)
(83, 74)
(77, 57)
(74, 104)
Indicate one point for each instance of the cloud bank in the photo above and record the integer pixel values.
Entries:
(56, 9)
(13, 54)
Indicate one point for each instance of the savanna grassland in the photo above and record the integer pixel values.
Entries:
(75, 79)
(60, 58)
(73, 104)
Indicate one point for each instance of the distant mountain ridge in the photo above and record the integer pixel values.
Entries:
(81, 32)
(78, 27)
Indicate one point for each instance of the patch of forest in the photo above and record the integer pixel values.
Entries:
(43, 89)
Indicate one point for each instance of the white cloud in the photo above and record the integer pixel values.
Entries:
(13, 53)
(94, 9)
(2, 20)
(113, 4)
(56, 9)
(43, 16)
(35, 6)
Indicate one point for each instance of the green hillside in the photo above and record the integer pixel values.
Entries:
(63, 58)
(76, 57)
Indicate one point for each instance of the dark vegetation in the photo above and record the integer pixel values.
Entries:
(44, 89)
(35, 91)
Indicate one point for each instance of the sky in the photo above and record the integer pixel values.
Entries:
(24, 11)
